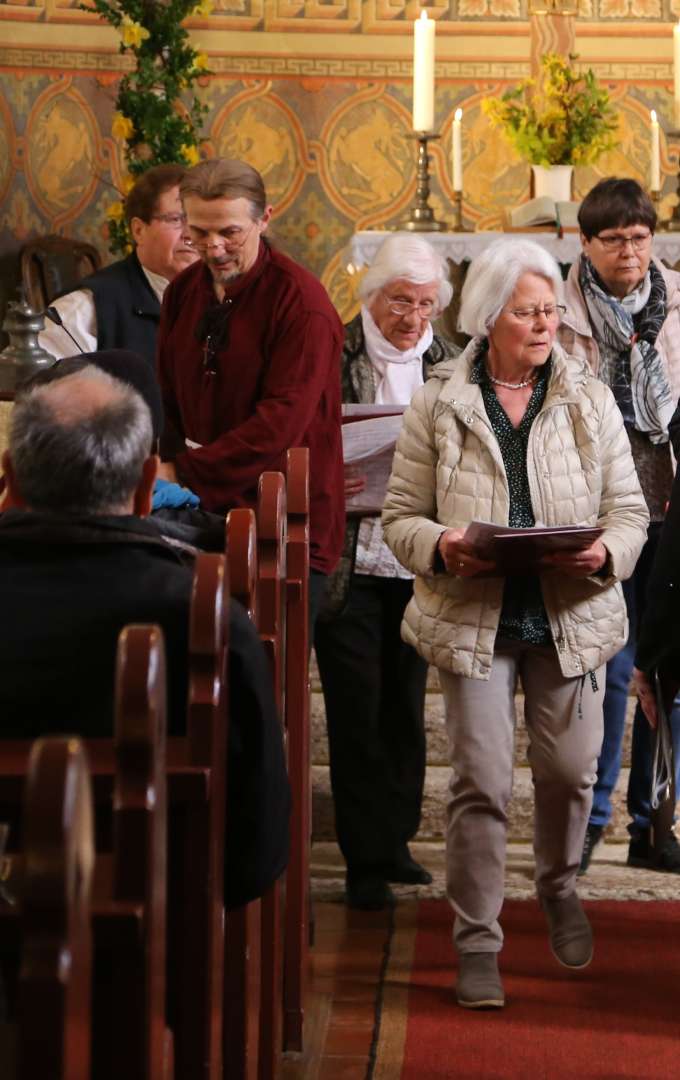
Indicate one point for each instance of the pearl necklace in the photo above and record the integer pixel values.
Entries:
(512, 385)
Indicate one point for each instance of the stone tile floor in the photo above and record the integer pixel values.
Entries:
(608, 876)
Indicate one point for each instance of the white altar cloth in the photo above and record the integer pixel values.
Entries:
(461, 246)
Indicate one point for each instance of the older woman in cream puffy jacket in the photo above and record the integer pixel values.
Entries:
(516, 433)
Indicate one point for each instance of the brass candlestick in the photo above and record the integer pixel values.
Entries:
(673, 223)
(422, 217)
(458, 213)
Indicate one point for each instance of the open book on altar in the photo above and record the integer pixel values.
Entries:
(543, 211)
(369, 435)
(517, 551)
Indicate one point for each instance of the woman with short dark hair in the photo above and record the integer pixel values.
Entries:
(623, 318)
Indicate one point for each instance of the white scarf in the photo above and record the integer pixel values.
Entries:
(397, 374)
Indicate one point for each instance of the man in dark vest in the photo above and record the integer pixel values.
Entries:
(119, 306)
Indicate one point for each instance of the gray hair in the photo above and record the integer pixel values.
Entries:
(411, 258)
(78, 444)
(492, 279)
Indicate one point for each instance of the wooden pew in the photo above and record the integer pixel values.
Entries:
(275, 593)
(130, 1037)
(56, 954)
(131, 927)
(197, 777)
(271, 585)
(297, 705)
(243, 925)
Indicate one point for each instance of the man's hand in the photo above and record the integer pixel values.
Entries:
(167, 471)
(646, 696)
(578, 564)
(355, 482)
(459, 556)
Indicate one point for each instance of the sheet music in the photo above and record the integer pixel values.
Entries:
(368, 445)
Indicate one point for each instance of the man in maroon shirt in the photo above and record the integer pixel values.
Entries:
(249, 360)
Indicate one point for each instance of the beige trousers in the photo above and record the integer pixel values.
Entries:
(564, 722)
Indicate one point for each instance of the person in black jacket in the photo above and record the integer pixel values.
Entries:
(658, 643)
(119, 306)
(78, 561)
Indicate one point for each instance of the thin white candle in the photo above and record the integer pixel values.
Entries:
(457, 150)
(423, 73)
(676, 73)
(655, 163)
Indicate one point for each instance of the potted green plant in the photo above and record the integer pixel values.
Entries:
(560, 120)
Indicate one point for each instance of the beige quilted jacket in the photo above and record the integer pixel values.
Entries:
(448, 471)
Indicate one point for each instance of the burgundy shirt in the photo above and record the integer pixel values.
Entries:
(273, 382)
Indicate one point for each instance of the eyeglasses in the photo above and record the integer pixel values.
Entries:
(404, 307)
(618, 242)
(552, 312)
(175, 221)
(232, 240)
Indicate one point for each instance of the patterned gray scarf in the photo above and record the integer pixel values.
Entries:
(626, 333)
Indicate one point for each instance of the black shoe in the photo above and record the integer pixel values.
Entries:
(367, 892)
(404, 870)
(592, 838)
(641, 853)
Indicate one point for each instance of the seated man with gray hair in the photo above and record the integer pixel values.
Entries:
(78, 562)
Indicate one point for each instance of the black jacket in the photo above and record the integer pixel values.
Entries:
(658, 643)
(127, 308)
(68, 586)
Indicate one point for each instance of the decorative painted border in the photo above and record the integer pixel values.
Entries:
(16, 59)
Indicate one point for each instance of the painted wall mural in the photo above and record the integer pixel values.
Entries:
(328, 126)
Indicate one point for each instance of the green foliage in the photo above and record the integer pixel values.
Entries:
(154, 123)
(565, 119)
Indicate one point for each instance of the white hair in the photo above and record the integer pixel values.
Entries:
(406, 256)
(492, 279)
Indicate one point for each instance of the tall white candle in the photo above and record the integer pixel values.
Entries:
(423, 73)
(676, 73)
(655, 161)
(457, 150)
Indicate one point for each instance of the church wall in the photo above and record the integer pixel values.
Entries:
(317, 95)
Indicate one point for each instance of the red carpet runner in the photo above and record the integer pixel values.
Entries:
(619, 1019)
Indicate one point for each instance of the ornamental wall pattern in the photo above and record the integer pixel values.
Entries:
(342, 16)
(327, 127)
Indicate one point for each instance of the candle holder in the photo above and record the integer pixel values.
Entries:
(458, 213)
(422, 217)
(673, 223)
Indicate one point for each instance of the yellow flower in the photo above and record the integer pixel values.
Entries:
(132, 32)
(115, 211)
(122, 127)
(127, 184)
(200, 61)
(204, 7)
(190, 154)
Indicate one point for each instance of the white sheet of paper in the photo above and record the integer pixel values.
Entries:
(368, 445)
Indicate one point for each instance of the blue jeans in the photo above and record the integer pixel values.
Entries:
(619, 671)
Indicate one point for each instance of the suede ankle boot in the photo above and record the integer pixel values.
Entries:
(479, 985)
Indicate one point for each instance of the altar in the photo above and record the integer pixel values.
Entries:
(461, 247)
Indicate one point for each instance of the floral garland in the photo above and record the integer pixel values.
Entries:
(156, 126)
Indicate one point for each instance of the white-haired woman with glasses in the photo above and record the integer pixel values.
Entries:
(374, 684)
(623, 318)
(516, 433)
